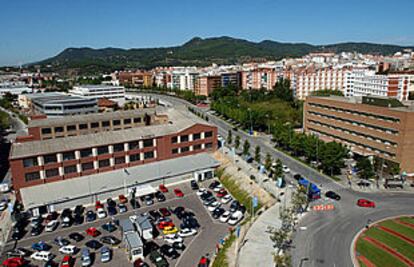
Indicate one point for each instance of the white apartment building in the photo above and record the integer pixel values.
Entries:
(184, 78)
(112, 92)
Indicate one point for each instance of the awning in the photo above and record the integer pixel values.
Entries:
(143, 190)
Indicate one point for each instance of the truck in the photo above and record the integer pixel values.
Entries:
(312, 190)
(133, 242)
(144, 227)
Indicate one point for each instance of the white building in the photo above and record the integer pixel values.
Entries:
(112, 92)
(184, 78)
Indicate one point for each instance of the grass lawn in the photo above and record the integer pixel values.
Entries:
(377, 256)
(361, 264)
(221, 259)
(392, 241)
(405, 230)
(407, 219)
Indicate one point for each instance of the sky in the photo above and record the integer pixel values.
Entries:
(35, 30)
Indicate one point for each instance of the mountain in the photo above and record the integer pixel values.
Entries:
(198, 52)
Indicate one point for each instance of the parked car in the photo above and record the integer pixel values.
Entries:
(155, 215)
(51, 263)
(37, 230)
(140, 263)
(226, 199)
(92, 231)
(178, 211)
(93, 244)
(163, 188)
(194, 185)
(204, 262)
(234, 205)
(214, 184)
(168, 230)
(164, 212)
(213, 205)
(185, 232)
(332, 195)
(106, 254)
(19, 253)
(79, 209)
(173, 238)
(35, 221)
(365, 203)
(69, 249)
(178, 192)
(42, 256)
(148, 200)
(109, 227)
(86, 257)
(201, 191)
(110, 202)
(189, 223)
(101, 213)
(77, 237)
(51, 226)
(285, 169)
(178, 245)
(160, 196)
(169, 251)
(164, 224)
(122, 199)
(225, 216)
(297, 176)
(218, 212)
(111, 211)
(221, 193)
(66, 221)
(218, 188)
(90, 216)
(110, 240)
(78, 219)
(61, 242)
(14, 262)
(67, 261)
(98, 205)
(235, 218)
(122, 208)
(157, 259)
(66, 213)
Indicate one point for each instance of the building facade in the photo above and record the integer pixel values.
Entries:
(206, 84)
(370, 126)
(112, 92)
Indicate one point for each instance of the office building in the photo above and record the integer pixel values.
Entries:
(112, 92)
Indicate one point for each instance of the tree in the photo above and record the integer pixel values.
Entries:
(229, 137)
(283, 91)
(237, 142)
(278, 169)
(257, 154)
(300, 200)
(365, 168)
(246, 148)
(283, 260)
(268, 162)
(311, 147)
(279, 237)
(332, 157)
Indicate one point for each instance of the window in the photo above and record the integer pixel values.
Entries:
(116, 122)
(185, 149)
(119, 160)
(184, 138)
(70, 169)
(86, 152)
(174, 139)
(148, 143)
(209, 145)
(105, 124)
(174, 151)
(133, 145)
(71, 128)
(87, 166)
(127, 121)
(196, 136)
(83, 126)
(51, 158)
(58, 129)
(137, 120)
(208, 134)
(197, 147)
(30, 162)
(46, 131)
(103, 163)
(103, 150)
(95, 125)
(118, 147)
(134, 157)
(149, 155)
(52, 172)
(31, 176)
(69, 155)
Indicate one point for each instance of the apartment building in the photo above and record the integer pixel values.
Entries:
(112, 92)
(370, 126)
(206, 84)
(184, 78)
(136, 78)
(260, 78)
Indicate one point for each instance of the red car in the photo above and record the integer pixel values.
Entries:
(140, 263)
(14, 262)
(204, 262)
(92, 231)
(122, 199)
(164, 212)
(98, 205)
(163, 188)
(165, 224)
(178, 192)
(365, 203)
(67, 261)
(221, 193)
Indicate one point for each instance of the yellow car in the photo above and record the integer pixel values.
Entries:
(170, 230)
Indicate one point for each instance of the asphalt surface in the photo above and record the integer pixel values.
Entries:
(202, 244)
(328, 236)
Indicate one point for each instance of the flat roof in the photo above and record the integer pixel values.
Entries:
(58, 98)
(93, 117)
(133, 239)
(84, 186)
(178, 122)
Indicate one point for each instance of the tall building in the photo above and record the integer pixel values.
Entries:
(206, 84)
(370, 126)
(136, 79)
(112, 92)
(259, 78)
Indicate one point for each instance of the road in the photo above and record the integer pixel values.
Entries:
(328, 237)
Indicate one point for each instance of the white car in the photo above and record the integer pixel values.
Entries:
(69, 249)
(201, 191)
(285, 169)
(187, 232)
(235, 218)
(226, 199)
(225, 217)
(213, 205)
(51, 226)
(3, 205)
(101, 213)
(218, 188)
(42, 256)
(172, 238)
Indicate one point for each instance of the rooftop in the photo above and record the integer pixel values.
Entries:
(55, 98)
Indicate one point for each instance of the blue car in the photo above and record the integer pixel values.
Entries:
(90, 216)
(40, 246)
(111, 211)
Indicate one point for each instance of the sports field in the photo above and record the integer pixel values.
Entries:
(387, 244)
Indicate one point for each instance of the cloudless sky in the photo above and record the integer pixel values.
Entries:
(33, 30)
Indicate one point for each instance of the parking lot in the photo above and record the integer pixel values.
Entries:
(202, 244)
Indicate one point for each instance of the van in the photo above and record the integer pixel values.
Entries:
(86, 257)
